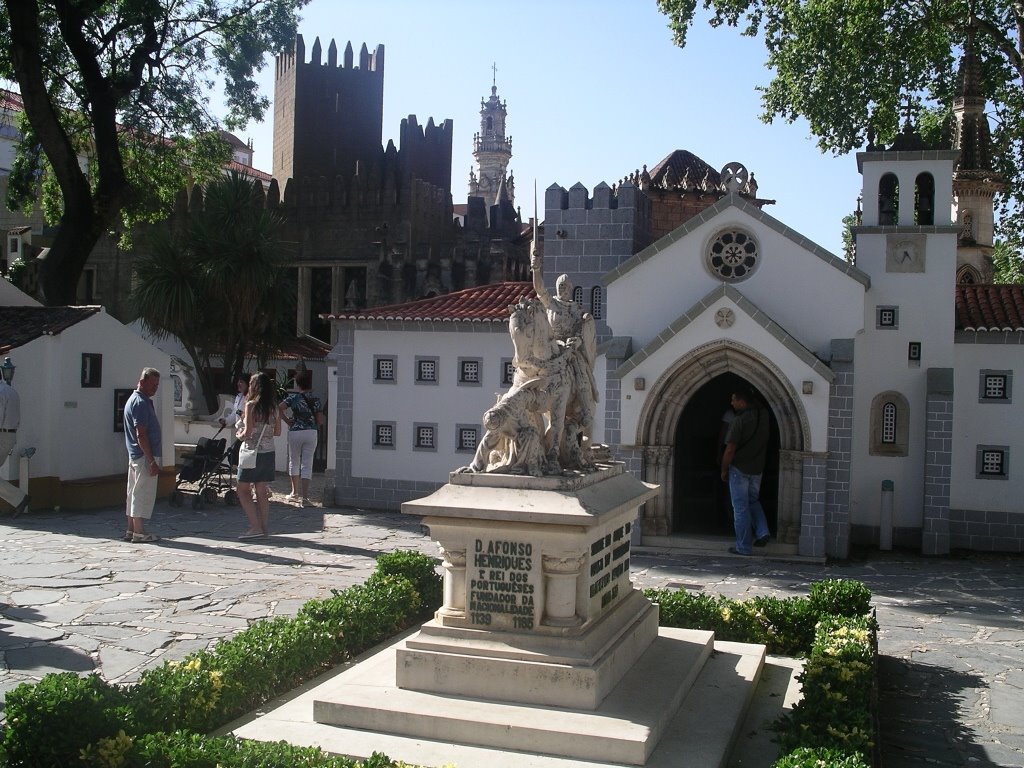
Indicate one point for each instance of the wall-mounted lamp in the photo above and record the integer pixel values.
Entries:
(808, 387)
(7, 370)
(639, 383)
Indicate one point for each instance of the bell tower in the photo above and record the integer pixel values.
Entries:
(492, 150)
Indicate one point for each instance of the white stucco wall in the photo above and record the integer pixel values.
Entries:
(926, 315)
(987, 423)
(72, 427)
(407, 403)
(756, 340)
(647, 299)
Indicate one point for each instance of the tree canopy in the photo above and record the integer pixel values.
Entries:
(847, 66)
(125, 85)
(216, 279)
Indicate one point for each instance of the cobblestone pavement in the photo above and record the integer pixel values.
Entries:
(74, 596)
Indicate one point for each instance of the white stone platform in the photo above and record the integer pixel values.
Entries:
(681, 705)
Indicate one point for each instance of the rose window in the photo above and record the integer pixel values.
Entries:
(733, 255)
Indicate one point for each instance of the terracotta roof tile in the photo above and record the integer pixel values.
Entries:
(682, 161)
(248, 171)
(20, 325)
(486, 303)
(304, 348)
(990, 307)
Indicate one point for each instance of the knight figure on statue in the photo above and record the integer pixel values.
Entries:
(543, 424)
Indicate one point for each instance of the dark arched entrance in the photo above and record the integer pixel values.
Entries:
(700, 504)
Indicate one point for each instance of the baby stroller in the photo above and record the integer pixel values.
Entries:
(207, 471)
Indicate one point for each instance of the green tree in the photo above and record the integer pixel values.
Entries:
(218, 281)
(1007, 266)
(847, 65)
(124, 84)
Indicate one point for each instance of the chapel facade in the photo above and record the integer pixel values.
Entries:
(888, 380)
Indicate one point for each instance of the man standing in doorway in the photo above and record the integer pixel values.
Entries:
(746, 448)
(143, 440)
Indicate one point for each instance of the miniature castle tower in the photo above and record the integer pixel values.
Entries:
(492, 150)
(327, 116)
(974, 180)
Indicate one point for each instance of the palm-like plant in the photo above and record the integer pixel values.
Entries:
(217, 283)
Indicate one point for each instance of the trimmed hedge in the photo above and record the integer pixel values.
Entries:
(70, 720)
(832, 726)
(159, 722)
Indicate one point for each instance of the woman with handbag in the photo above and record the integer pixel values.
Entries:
(261, 423)
(306, 416)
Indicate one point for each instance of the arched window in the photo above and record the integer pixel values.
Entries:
(890, 425)
(490, 124)
(577, 295)
(597, 302)
(888, 200)
(924, 200)
(967, 275)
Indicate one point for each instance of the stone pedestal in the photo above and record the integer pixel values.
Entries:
(543, 645)
(539, 608)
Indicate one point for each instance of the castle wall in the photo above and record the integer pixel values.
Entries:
(327, 117)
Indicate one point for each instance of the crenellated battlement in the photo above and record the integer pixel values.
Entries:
(624, 195)
(586, 236)
(368, 62)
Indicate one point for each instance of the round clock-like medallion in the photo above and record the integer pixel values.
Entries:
(725, 317)
(733, 255)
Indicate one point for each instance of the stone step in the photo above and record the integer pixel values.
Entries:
(642, 719)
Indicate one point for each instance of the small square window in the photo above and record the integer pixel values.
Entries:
(508, 372)
(384, 369)
(469, 371)
(426, 370)
(466, 437)
(914, 351)
(887, 317)
(425, 437)
(383, 434)
(995, 386)
(993, 462)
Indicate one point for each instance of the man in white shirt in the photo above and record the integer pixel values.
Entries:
(10, 420)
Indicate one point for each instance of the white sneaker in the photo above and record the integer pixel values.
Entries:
(291, 497)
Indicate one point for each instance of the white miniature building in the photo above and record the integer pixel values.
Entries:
(888, 377)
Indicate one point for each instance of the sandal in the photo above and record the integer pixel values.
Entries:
(144, 538)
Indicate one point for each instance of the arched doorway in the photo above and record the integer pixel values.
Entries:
(700, 503)
(665, 414)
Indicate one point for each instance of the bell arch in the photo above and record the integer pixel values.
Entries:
(663, 408)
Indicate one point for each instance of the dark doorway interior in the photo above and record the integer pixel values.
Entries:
(701, 500)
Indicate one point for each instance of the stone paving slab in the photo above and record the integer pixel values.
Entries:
(951, 640)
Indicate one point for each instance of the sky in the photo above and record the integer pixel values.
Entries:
(595, 89)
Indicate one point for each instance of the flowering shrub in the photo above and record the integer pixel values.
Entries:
(838, 681)
(834, 628)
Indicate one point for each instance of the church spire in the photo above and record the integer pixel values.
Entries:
(971, 135)
(975, 181)
(492, 149)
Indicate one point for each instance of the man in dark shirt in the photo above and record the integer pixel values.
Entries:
(746, 447)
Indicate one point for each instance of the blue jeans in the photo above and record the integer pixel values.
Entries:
(747, 514)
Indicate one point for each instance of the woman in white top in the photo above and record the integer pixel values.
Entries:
(261, 423)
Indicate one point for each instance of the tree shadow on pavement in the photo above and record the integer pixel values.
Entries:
(920, 711)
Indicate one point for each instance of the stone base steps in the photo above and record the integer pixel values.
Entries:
(679, 707)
